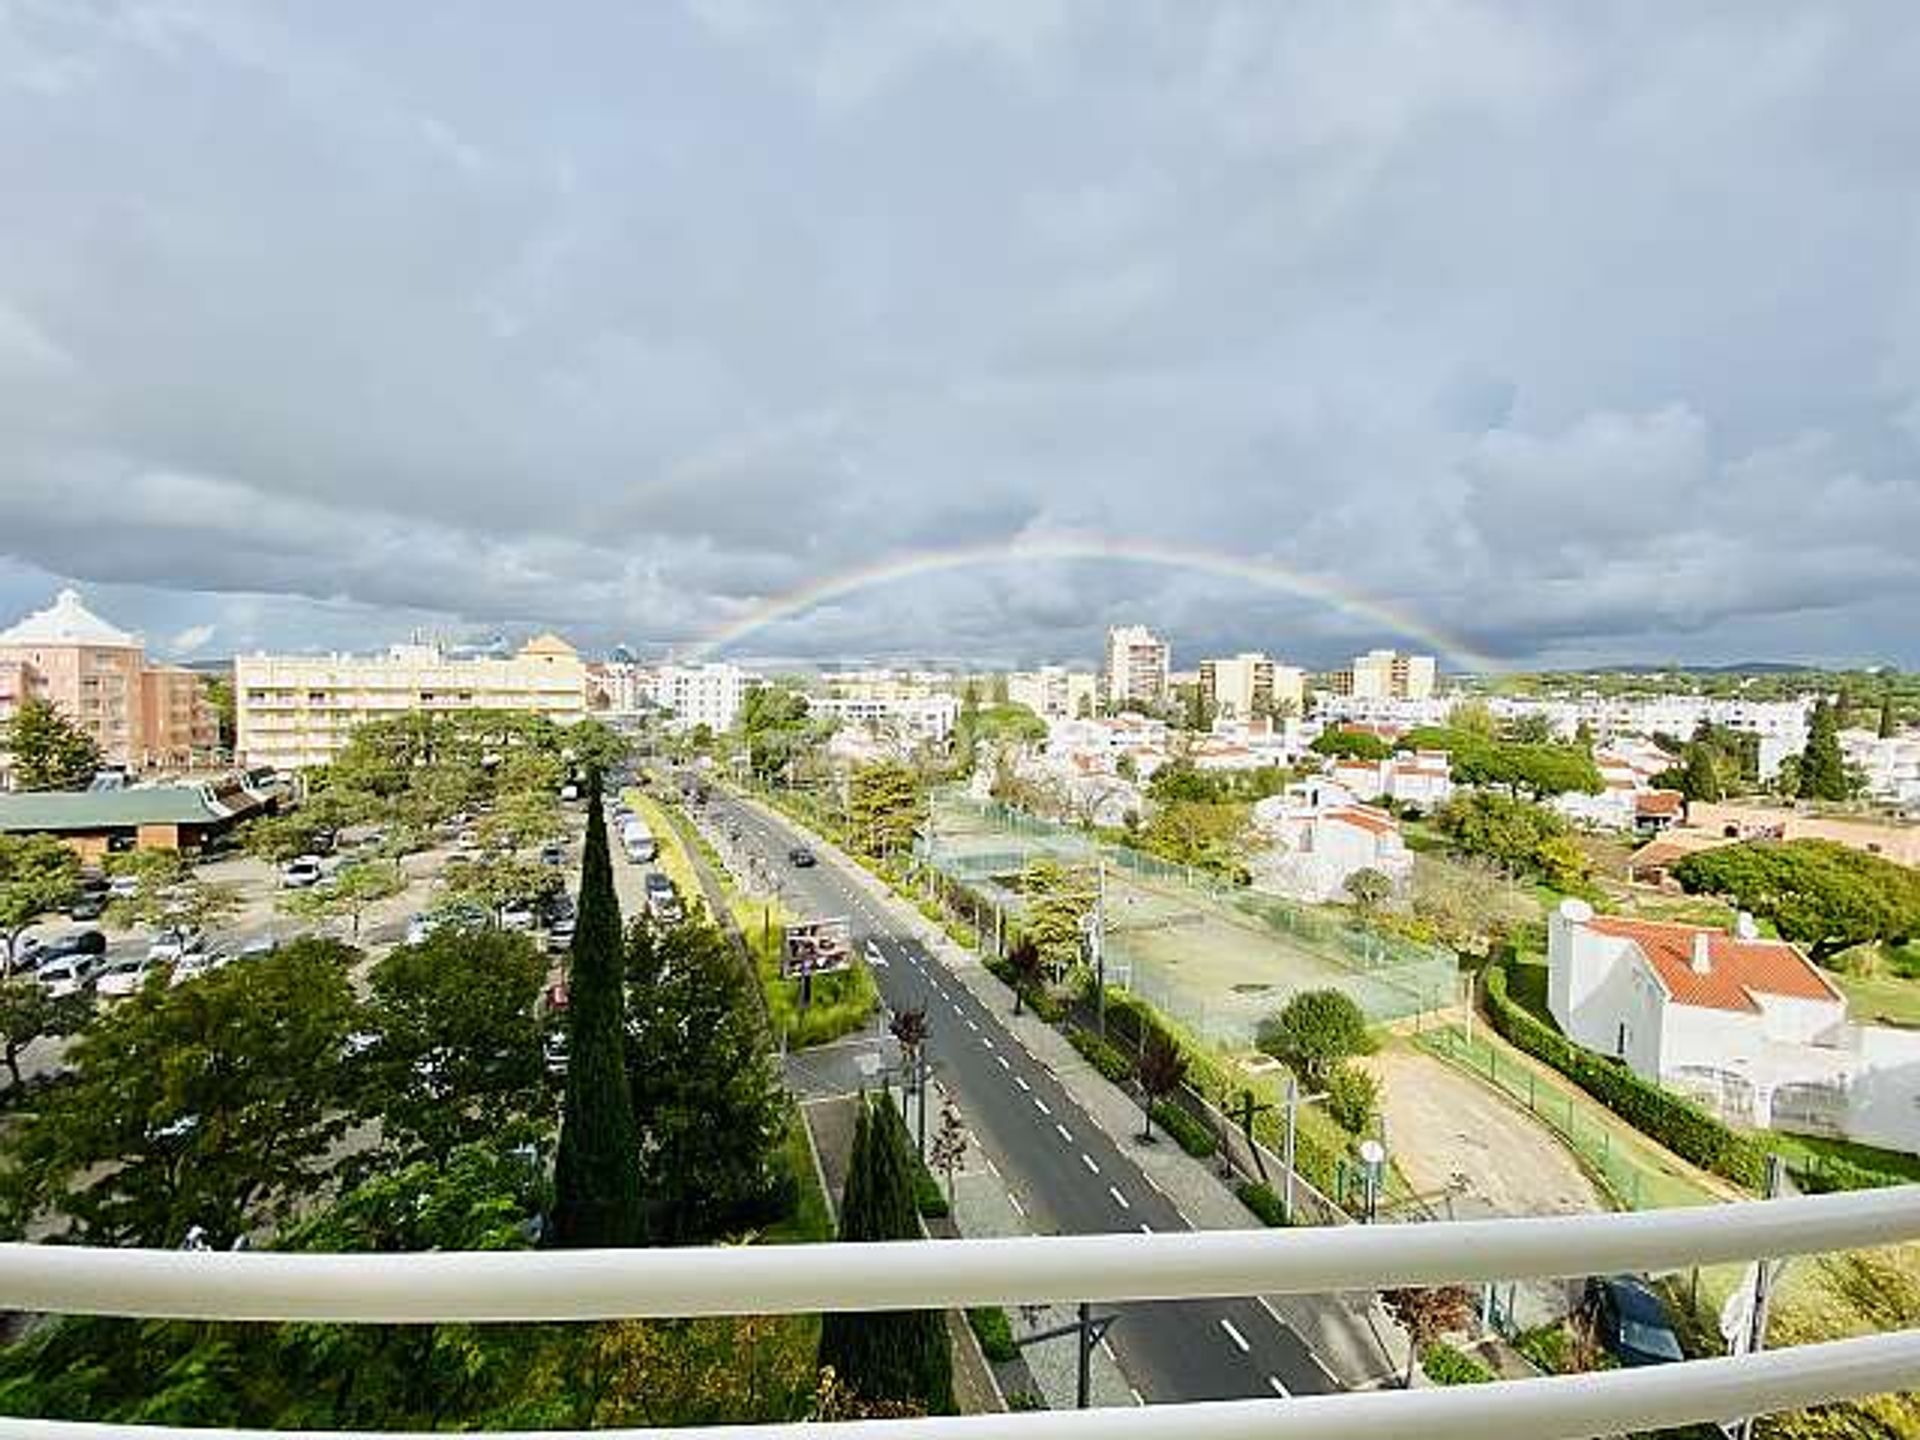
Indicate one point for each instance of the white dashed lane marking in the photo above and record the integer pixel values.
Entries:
(1087, 1160)
(1118, 1198)
(1065, 1134)
(1021, 1081)
(1234, 1335)
(1041, 1106)
(1273, 1382)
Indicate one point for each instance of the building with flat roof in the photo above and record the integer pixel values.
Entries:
(1387, 675)
(1242, 686)
(1137, 666)
(709, 695)
(142, 715)
(1054, 692)
(296, 711)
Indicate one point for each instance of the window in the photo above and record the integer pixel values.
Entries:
(1620, 1042)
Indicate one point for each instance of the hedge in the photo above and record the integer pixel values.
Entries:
(1108, 1059)
(1193, 1137)
(1447, 1366)
(995, 1333)
(1258, 1197)
(1683, 1127)
(928, 1198)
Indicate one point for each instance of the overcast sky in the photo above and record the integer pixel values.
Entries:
(1580, 332)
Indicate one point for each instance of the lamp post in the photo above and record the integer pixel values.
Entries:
(1373, 1158)
(1294, 1101)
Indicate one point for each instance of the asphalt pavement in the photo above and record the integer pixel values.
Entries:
(1073, 1177)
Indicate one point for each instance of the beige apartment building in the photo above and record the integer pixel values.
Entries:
(1054, 692)
(1138, 662)
(1387, 675)
(295, 711)
(141, 715)
(1242, 686)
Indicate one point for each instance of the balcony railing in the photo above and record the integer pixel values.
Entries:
(603, 1284)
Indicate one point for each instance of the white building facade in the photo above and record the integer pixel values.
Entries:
(1137, 667)
(1749, 1027)
(1054, 692)
(1239, 687)
(709, 694)
(1315, 837)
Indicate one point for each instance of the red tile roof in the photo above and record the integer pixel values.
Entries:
(1364, 820)
(1737, 971)
(1660, 802)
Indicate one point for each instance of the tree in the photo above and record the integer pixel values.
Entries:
(1205, 836)
(1530, 728)
(1351, 745)
(706, 1093)
(898, 1354)
(597, 1175)
(1028, 966)
(1473, 717)
(1823, 772)
(1353, 1097)
(454, 1046)
(280, 838)
(492, 881)
(1314, 1032)
(37, 874)
(1816, 892)
(28, 1012)
(50, 752)
(1369, 889)
(949, 1144)
(1521, 837)
(910, 1031)
(215, 1104)
(595, 748)
(1888, 723)
(522, 818)
(1426, 1316)
(1700, 779)
(1161, 1070)
(347, 895)
(168, 894)
(1057, 899)
(1469, 904)
(886, 805)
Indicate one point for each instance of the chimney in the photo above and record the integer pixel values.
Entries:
(1702, 961)
(1744, 927)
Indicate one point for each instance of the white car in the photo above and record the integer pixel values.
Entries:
(123, 976)
(173, 945)
(124, 887)
(203, 962)
(516, 915)
(302, 874)
(68, 975)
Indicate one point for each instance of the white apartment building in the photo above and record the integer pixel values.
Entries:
(1054, 692)
(903, 719)
(295, 711)
(708, 694)
(1892, 765)
(1248, 684)
(1747, 1026)
(1780, 724)
(1388, 675)
(1137, 667)
(1423, 779)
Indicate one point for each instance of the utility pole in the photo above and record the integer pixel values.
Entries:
(1091, 1329)
(1294, 1101)
(1098, 937)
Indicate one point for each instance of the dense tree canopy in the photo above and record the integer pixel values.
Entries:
(1818, 893)
(49, 751)
(1538, 768)
(886, 804)
(1521, 837)
(1351, 745)
(37, 875)
(1315, 1031)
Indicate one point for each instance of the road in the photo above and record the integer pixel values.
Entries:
(1070, 1176)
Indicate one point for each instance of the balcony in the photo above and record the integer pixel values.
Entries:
(525, 1286)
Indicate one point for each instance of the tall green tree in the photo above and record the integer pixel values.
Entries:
(455, 1047)
(37, 874)
(597, 1176)
(1823, 771)
(1816, 892)
(1316, 1031)
(899, 1355)
(50, 752)
(886, 804)
(347, 896)
(707, 1097)
(1700, 780)
(28, 1012)
(1888, 724)
(214, 1104)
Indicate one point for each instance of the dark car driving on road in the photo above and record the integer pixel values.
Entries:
(800, 857)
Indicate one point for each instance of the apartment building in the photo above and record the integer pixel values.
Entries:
(295, 711)
(1387, 675)
(141, 715)
(708, 695)
(903, 720)
(1137, 666)
(1054, 692)
(1242, 686)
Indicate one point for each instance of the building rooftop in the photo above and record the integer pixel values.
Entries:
(1737, 968)
(55, 812)
(68, 622)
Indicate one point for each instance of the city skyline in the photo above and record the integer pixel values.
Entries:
(1538, 334)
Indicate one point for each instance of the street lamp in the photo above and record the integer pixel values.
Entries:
(1373, 1158)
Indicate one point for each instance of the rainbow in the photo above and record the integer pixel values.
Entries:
(913, 565)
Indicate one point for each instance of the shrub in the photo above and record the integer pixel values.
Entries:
(1679, 1124)
(1316, 1030)
(1193, 1137)
(1447, 1366)
(1105, 1057)
(1353, 1097)
(928, 1198)
(995, 1333)
(1261, 1200)
(1047, 1006)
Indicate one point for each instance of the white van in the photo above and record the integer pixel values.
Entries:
(639, 842)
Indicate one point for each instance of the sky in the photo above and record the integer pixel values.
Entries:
(1554, 334)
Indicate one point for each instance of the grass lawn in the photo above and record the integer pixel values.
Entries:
(811, 1220)
(1885, 999)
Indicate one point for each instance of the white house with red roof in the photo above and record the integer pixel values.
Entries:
(1422, 778)
(1747, 1025)
(1316, 836)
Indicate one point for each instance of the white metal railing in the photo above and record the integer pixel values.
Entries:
(607, 1284)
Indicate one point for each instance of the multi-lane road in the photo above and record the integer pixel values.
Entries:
(1065, 1174)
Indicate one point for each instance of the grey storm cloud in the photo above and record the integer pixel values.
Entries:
(1581, 332)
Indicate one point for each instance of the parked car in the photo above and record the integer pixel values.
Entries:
(87, 906)
(174, 942)
(122, 976)
(35, 952)
(555, 1049)
(517, 915)
(67, 974)
(553, 853)
(662, 899)
(124, 887)
(205, 962)
(1630, 1321)
(303, 873)
(801, 858)
(560, 936)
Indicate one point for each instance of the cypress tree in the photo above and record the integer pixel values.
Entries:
(1886, 715)
(597, 1177)
(1701, 778)
(1823, 774)
(894, 1355)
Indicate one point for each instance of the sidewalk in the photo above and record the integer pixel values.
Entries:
(1348, 1333)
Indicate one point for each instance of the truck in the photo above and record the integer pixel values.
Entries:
(638, 841)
